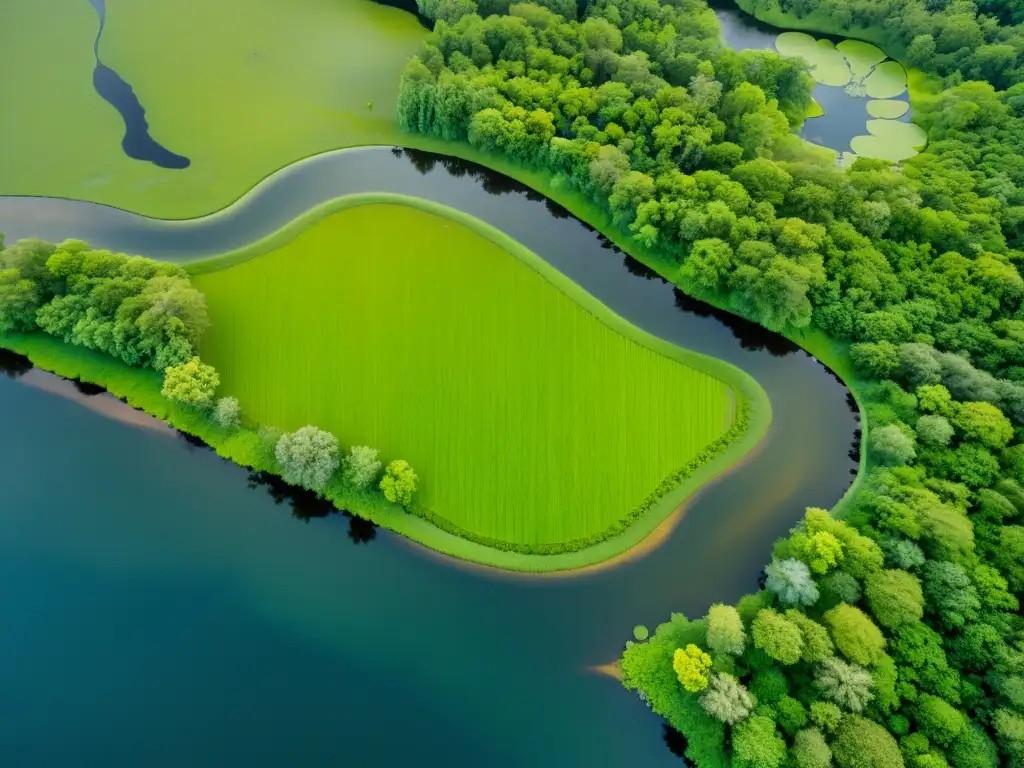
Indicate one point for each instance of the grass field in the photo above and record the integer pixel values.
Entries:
(530, 419)
(240, 87)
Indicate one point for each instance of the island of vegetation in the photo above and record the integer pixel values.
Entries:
(539, 423)
(888, 634)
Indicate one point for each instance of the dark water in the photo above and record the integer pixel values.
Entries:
(161, 609)
(845, 116)
(137, 142)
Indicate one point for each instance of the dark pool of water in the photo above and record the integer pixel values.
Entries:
(161, 609)
(845, 116)
(137, 142)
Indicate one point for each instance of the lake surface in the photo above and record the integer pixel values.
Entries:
(161, 612)
(845, 116)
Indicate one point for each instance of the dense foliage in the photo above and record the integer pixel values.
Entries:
(143, 312)
(875, 634)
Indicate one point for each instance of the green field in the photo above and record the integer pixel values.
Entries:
(241, 87)
(530, 420)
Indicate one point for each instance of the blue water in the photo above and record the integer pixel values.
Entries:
(137, 142)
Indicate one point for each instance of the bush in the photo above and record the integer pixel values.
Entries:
(726, 700)
(790, 581)
(399, 482)
(192, 383)
(791, 715)
(817, 644)
(228, 413)
(840, 587)
(846, 685)
(777, 636)
(860, 743)
(810, 750)
(691, 665)
(307, 457)
(769, 686)
(855, 635)
(826, 715)
(361, 467)
(892, 446)
(756, 744)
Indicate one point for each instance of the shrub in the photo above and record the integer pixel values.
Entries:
(855, 635)
(725, 630)
(860, 743)
(840, 587)
(725, 699)
(821, 550)
(399, 482)
(769, 686)
(791, 715)
(691, 665)
(307, 457)
(810, 750)
(777, 636)
(192, 383)
(895, 598)
(826, 715)
(846, 685)
(939, 721)
(790, 581)
(817, 644)
(228, 413)
(361, 467)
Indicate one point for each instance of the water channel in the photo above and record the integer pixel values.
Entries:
(163, 610)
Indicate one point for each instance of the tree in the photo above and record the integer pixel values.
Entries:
(892, 446)
(725, 699)
(791, 715)
(1010, 556)
(361, 467)
(895, 598)
(399, 482)
(725, 630)
(974, 749)
(983, 422)
(846, 685)
(860, 743)
(810, 749)
(878, 360)
(192, 383)
(691, 665)
(777, 636)
(933, 430)
(918, 366)
(854, 634)
(756, 744)
(826, 715)
(1009, 728)
(950, 593)
(228, 413)
(940, 722)
(308, 457)
(19, 301)
(821, 550)
(817, 644)
(790, 581)
(840, 587)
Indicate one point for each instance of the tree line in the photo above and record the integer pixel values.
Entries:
(892, 637)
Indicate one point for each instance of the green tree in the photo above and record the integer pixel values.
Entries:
(892, 446)
(399, 482)
(725, 630)
(228, 413)
(790, 581)
(725, 699)
(939, 721)
(854, 634)
(810, 749)
(361, 467)
(950, 593)
(307, 457)
(846, 685)
(756, 744)
(821, 550)
(827, 715)
(192, 383)
(1009, 556)
(983, 422)
(860, 743)
(777, 636)
(933, 430)
(895, 598)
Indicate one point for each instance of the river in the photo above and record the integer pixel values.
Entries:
(162, 612)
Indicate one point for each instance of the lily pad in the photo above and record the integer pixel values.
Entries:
(640, 632)
(887, 109)
(861, 56)
(828, 65)
(814, 109)
(905, 134)
(888, 80)
(881, 149)
(826, 43)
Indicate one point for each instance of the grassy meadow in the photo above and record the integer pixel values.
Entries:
(530, 419)
(240, 87)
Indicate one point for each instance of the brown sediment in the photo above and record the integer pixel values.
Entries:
(641, 549)
(105, 404)
(612, 670)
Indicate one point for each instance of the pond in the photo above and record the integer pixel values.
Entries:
(859, 112)
(163, 610)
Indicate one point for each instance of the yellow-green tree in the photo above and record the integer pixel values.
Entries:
(691, 665)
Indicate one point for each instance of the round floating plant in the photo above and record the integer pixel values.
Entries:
(864, 71)
(640, 632)
(887, 109)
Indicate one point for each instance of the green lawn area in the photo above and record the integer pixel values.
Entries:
(241, 87)
(531, 418)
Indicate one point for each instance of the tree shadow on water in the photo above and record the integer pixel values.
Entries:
(751, 336)
(307, 505)
(13, 365)
(674, 740)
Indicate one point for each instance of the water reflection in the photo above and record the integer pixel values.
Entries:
(750, 335)
(308, 505)
(13, 365)
(674, 740)
(87, 389)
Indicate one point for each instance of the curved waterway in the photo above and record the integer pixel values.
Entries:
(161, 609)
